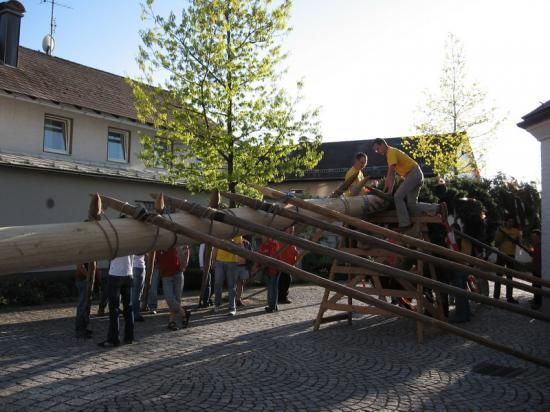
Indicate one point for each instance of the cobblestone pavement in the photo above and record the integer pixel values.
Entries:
(259, 361)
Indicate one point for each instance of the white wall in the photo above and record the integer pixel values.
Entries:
(542, 132)
(22, 131)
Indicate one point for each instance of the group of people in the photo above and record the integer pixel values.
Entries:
(124, 285)
(229, 268)
(401, 164)
(507, 238)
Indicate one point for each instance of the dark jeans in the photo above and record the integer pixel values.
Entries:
(509, 289)
(462, 307)
(272, 290)
(284, 285)
(120, 288)
(537, 297)
(208, 289)
(83, 286)
(103, 294)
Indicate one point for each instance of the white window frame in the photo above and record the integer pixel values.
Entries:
(67, 134)
(125, 134)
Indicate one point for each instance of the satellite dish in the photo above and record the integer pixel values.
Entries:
(48, 44)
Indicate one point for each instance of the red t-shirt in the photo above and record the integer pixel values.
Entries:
(169, 262)
(269, 248)
(289, 254)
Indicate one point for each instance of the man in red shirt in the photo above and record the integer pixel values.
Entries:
(288, 254)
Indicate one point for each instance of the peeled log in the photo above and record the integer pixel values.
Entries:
(27, 248)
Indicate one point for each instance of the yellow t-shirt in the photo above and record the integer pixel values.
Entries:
(225, 256)
(357, 180)
(403, 163)
(505, 245)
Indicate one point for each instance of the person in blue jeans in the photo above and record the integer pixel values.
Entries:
(137, 287)
(84, 281)
(206, 298)
(172, 263)
(269, 247)
(226, 269)
(152, 297)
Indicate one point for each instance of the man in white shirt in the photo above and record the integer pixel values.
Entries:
(119, 285)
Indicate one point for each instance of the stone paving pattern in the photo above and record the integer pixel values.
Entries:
(257, 361)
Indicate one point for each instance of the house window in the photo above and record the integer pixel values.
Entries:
(57, 134)
(117, 145)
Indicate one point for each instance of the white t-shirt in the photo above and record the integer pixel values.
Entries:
(139, 261)
(121, 266)
(202, 248)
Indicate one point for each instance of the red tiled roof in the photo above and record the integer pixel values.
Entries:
(51, 78)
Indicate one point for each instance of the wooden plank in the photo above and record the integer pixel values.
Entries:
(370, 310)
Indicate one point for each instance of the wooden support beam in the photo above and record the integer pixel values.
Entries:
(380, 268)
(392, 247)
(371, 227)
(199, 236)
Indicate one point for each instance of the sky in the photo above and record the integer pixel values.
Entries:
(366, 63)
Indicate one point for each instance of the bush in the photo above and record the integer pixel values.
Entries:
(317, 264)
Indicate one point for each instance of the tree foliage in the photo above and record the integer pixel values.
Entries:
(496, 198)
(457, 116)
(221, 119)
(447, 154)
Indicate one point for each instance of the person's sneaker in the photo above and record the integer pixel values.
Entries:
(239, 303)
(232, 312)
(172, 326)
(285, 301)
(512, 300)
(153, 311)
(269, 309)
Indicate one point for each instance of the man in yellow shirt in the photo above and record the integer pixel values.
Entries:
(226, 269)
(506, 239)
(360, 161)
(409, 189)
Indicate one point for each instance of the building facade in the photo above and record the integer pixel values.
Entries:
(537, 122)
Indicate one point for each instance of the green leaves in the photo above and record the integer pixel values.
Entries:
(219, 114)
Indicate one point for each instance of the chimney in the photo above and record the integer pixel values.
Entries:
(10, 22)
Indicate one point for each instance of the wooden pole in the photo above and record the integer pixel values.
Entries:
(487, 247)
(228, 219)
(199, 236)
(371, 227)
(371, 240)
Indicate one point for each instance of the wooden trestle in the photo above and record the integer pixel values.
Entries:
(370, 282)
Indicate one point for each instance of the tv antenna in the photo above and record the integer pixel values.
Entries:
(48, 42)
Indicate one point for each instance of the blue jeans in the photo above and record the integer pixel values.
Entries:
(120, 288)
(272, 284)
(137, 290)
(205, 298)
(225, 270)
(83, 306)
(152, 297)
(172, 286)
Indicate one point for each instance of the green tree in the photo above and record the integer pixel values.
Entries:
(222, 121)
(456, 117)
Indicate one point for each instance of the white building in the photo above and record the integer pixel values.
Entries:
(66, 131)
(537, 123)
